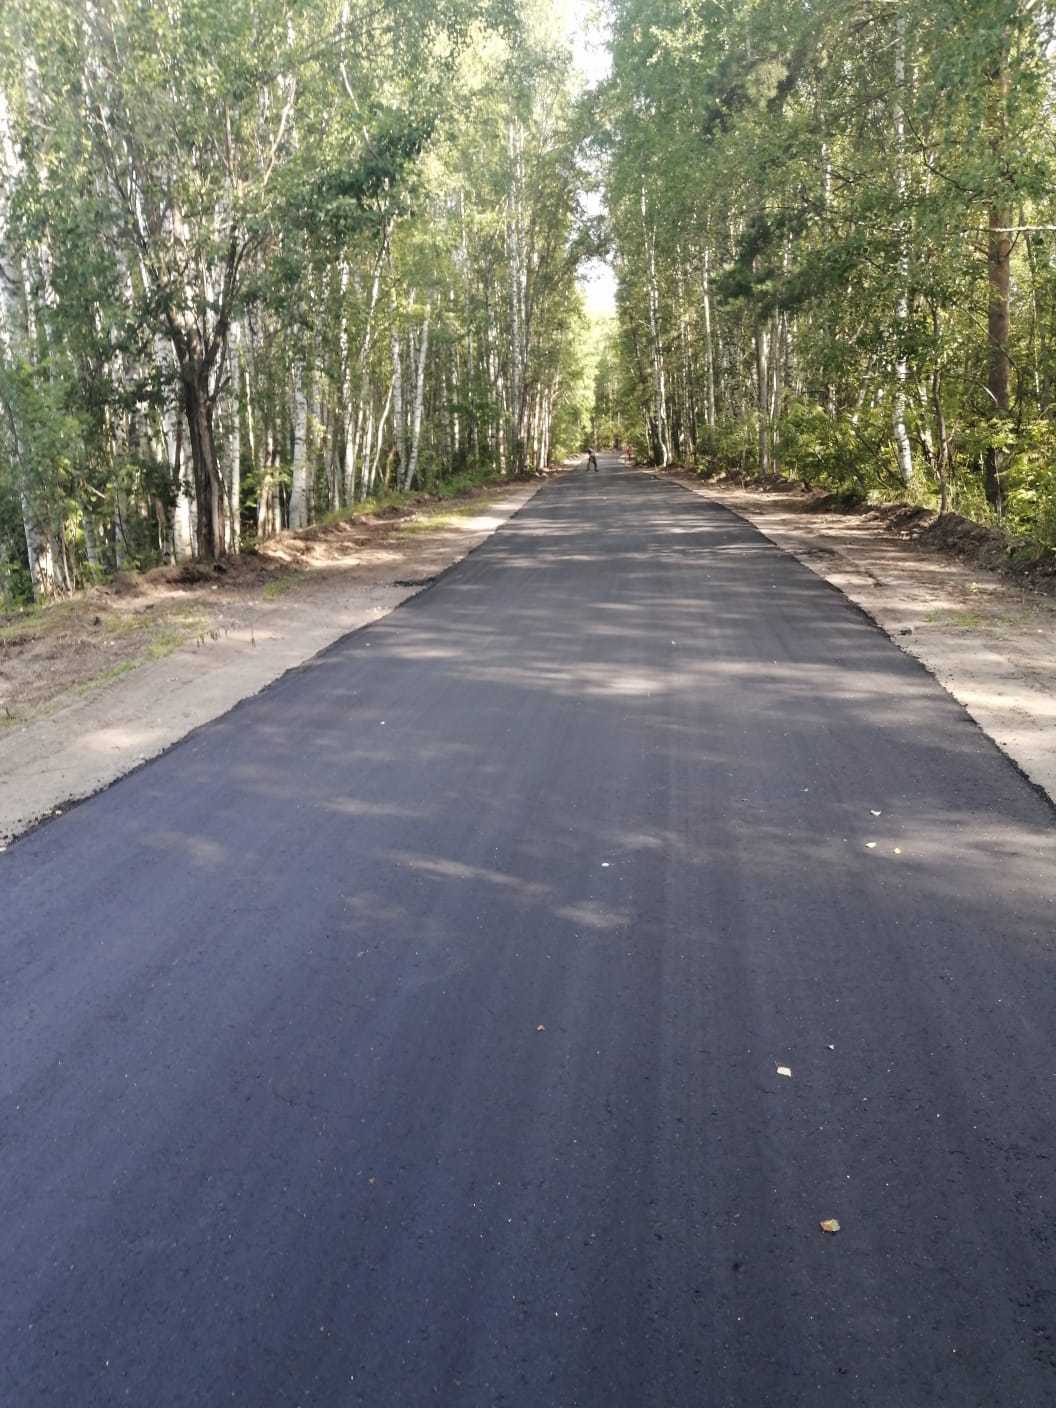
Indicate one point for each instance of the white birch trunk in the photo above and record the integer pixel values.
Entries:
(777, 377)
(91, 543)
(762, 376)
(399, 422)
(663, 449)
(183, 524)
(233, 442)
(299, 481)
(515, 243)
(419, 399)
(43, 569)
(371, 478)
(903, 447)
(368, 439)
(709, 350)
(348, 458)
(120, 515)
(38, 550)
(16, 342)
(353, 441)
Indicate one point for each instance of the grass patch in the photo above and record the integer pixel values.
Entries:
(442, 517)
(16, 632)
(123, 667)
(279, 586)
(165, 629)
(171, 635)
(30, 625)
(386, 499)
(160, 636)
(966, 620)
(445, 489)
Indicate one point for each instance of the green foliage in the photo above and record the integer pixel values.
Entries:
(805, 194)
(362, 190)
(845, 454)
(1030, 484)
(16, 585)
(725, 448)
(223, 215)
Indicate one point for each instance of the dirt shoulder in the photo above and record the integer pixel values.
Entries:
(91, 689)
(944, 590)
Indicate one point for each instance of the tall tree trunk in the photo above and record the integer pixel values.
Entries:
(688, 445)
(709, 350)
(196, 368)
(299, 480)
(903, 448)
(661, 443)
(999, 269)
(364, 391)
(419, 398)
(233, 443)
(370, 477)
(399, 422)
(183, 536)
(515, 241)
(13, 336)
(762, 375)
(1043, 376)
(777, 391)
(208, 486)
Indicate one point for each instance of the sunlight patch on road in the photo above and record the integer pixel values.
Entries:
(354, 806)
(439, 868)
(589, 914)
(197, 848)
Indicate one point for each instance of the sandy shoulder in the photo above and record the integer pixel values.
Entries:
(988, 641)
(88, 741)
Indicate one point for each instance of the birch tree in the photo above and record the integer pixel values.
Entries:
(273, 253)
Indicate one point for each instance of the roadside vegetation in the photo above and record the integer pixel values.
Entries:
(263, 264)
(833, 230)
(266, 267)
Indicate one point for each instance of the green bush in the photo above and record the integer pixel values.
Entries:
(1030, 484)
(842, 454)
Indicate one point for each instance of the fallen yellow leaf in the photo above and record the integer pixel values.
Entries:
(830, 1225)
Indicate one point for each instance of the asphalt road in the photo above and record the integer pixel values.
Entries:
(412, 1034)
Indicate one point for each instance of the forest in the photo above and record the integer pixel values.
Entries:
(265, 261)
(270, 261)
(834, 225)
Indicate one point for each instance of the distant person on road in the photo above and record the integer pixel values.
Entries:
(592, 460)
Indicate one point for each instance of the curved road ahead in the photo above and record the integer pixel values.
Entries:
(413, 1033)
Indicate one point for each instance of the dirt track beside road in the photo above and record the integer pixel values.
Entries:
(988, 636)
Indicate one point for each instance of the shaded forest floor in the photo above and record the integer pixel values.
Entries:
(92, 688)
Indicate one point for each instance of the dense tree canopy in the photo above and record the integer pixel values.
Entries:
(261, 260)
(834, 230)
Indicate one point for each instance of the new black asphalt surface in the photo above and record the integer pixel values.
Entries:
(412, 1034)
